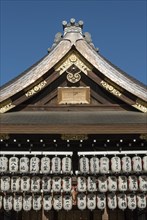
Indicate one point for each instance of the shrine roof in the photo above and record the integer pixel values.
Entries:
(73, 38)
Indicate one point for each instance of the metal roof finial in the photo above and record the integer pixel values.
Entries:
(72, 21)
(72, 26)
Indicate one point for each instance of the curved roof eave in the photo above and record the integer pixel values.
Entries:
(110, 71)
(37, 71)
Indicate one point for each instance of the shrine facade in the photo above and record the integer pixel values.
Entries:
(73, 137)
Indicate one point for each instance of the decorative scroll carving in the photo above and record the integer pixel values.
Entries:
(36, 89)
(73, 74)
(7, 107)
(74, 137)
(73, 95)
(140, 106)
(73, 59)
(110, 88)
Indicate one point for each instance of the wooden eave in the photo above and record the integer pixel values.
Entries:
(74, 122)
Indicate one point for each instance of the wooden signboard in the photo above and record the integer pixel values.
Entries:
(73, 95)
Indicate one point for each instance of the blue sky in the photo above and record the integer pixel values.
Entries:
(118, 29)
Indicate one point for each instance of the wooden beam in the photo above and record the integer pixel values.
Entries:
(74, 129)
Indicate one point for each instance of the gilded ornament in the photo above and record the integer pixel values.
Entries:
(110, 88)
(36, 89)
(143, 137)
(74, 137)
(4, 136)
(140, 107)
(7, 107)
(73, 59)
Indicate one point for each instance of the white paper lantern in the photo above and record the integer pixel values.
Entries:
(27, 203)
(81, 201)
(81, 184)
(112, 183)
(56, 184)
(17, 203)
(24, 164)
(35, 184)
(37, 202)
(137, 164)
(104, 165)
(122, 201)
(101, 201)
(91, 201)
(91, 184)
(126, 164)
(102, 184)
(1, 202)
(45, 165)
(141, 201)
(115, 164)
(3, 164)
(56, 165)
(144, 160)
(66, 165)
(7, 203)
(112, 201)
(94, 165)
(143, 183)
(122, 183)
(34, 165)
(66, 184)
(133, 183)
(47, 202)
(13, 164)
(25, 183)
(57, 202)
(67, 202)
(46, 184)
(15, 183)
(5, 183)
(131, 201)
(84, 164)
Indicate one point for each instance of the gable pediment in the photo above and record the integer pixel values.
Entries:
(73, 82)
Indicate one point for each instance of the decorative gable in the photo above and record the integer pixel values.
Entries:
(73, 73)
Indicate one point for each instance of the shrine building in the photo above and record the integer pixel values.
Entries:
(73, 142)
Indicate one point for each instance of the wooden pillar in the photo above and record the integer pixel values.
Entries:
(105, 214)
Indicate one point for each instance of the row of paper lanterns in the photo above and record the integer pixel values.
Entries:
(64, 165)
(57, 184)
(114, 164)
(57, 202)
(35, 165)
